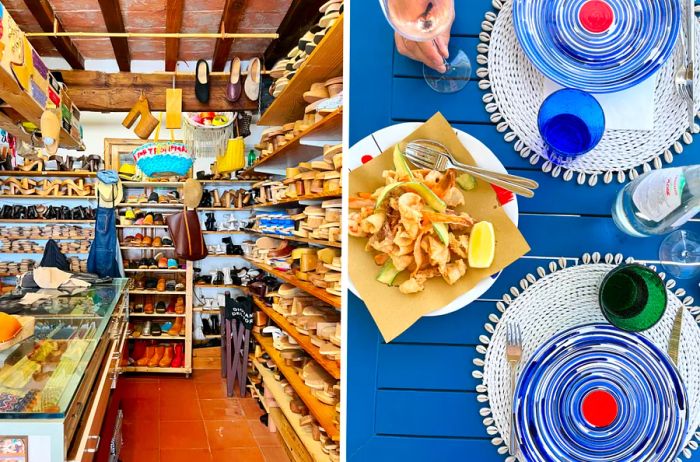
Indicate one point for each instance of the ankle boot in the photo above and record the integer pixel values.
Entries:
(147, 122)
(177, 325)
(167, 357)
(229, 245)
(210, 224)
(157, 356)
(150, 352)
(205, 201)
(6, 212)
(180, 305)
(179, 358)
(215, 327)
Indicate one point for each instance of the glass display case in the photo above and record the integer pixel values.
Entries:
(49, 380)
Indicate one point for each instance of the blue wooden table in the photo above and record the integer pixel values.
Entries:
(415, 399)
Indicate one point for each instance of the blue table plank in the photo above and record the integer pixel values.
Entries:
(413, 399)
(425, 413)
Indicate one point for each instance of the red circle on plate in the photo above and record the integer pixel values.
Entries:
(596, 16)
(599, 408)
(366, 158)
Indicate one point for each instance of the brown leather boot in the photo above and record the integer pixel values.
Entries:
(167, 357)
(177, 325)
(143, 361)
(157, 356)
(180, 305)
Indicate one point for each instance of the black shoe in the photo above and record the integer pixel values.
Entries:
(160, 307)
(31, 212)
(66, 213)
(215, 328)
(155, 329)
(229, 245)
(201, 86)
(210, 224)
(206, 199)
(206, 326)
(153, 197)
(6, 212)
(19, 212)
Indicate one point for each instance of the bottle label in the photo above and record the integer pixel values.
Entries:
(660, 193)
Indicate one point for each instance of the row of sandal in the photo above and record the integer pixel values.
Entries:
(48, 232)
(56, 188)
(42, 212)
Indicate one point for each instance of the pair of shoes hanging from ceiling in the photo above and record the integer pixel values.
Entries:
(235, 87)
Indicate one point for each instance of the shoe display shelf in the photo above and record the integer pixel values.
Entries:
(144, 189)
(276, 399)
(324, 414)
(29, 200)
(325, 62)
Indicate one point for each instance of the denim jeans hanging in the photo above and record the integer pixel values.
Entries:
(103, 259)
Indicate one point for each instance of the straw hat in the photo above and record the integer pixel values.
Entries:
(109, 188)
(192, 193)
(50, 131)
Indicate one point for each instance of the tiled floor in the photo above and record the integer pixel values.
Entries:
(173, 419)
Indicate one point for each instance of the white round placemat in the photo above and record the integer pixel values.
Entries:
(515, 92)
(547, 304)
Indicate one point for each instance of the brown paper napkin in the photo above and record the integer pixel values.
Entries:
(393, 311)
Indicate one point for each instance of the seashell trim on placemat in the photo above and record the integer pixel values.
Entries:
(493, 391)
(513, 86)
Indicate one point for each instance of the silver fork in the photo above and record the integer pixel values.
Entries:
(434, 155)
(514, 352)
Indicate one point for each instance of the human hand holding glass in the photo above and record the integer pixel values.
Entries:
(422, 33)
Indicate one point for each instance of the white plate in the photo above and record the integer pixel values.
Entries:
(378, 142)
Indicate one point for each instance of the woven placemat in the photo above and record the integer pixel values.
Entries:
(514, 92)
(548, 303)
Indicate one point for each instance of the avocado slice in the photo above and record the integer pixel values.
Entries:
(388, 273)
(401, 165)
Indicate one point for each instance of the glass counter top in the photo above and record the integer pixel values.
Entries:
(40, 375)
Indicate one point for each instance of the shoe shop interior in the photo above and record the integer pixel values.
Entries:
(170, 230)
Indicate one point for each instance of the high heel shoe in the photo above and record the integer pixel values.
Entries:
(19, 212)
(94, 163)
(77, 189)
(6, 212)
(147, 122)
(37, 165)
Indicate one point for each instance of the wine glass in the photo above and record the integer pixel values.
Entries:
(680, 254)
(425, 20)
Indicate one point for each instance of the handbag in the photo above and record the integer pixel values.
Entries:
(233, 158)
(186, 234)
(163, 158)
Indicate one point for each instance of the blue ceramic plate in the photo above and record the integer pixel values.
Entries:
(599, 46)
(598, 394)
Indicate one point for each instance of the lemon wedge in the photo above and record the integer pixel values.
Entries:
(482, 245)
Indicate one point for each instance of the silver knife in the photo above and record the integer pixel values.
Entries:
(675, 340)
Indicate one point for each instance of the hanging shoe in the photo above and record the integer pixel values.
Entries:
(147, 122)
(201, 86)
(252, 81)
(233, 89)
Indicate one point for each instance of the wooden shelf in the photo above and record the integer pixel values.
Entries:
(294, 151)
(156, 315)
(225, 232)
(304, 341)
(49, 174)
(220, 286)
(40, 253)
(325, 62)
(156, 292)
(200, 309)
(151, 270)
(147, 248)
(323, 413)
(54, 222)
(47, 238)
(307, 287)
(311, 197)
(147, 205)
(225, 182)
(37, 196)
(169, 370)
(312, 446)
(301, 239)
(215, 255)
(157, 337)
(152, 184)
(143, 226)
(224, 209)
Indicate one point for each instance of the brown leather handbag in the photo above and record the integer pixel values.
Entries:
(186, 233)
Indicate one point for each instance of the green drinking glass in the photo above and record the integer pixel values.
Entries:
(632, 297)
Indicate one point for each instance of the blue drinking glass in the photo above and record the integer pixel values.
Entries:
(572, 123)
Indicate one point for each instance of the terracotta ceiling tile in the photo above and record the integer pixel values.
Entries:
(146, 45)
(94, 48)
(255, 46)
(204, 21)
(84, 21)
(25, 20)
(193, 49)
(132, 6)
(205, 5)
(75, 6)
(44, 47)
(260, 22)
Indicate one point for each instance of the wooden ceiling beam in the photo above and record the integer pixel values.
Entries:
(230, 18)
(44, 15)
(173, 23)
(118, 92)
(301, 16)
(112, 14)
